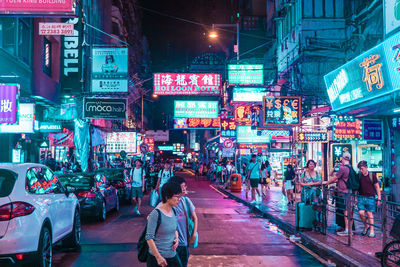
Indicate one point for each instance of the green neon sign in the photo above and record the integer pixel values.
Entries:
(244, 134)
(196, 109)
(246, 74)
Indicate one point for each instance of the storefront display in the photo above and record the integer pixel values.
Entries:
(372, 154)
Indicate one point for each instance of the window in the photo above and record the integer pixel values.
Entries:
(24, 40)
(329, 8)
(308, 8)
(7, 181)
(8, 26)
(47, 56)
(41, 180)
(318, 11)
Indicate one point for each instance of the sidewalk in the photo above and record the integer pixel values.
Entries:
(330, 245)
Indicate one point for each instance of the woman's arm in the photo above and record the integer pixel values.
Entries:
(196, 222)
(176, 241)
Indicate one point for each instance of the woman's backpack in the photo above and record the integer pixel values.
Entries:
(142, 246)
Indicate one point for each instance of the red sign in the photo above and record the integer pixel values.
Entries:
(62, 139)
(56, 28)
(150, 143)
(193, 123)
(228, 143)
(187, 83)
(243, 114)
(144, 147)
(347, 129)
(35, 6)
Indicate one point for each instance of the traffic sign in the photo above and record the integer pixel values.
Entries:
(228, 143)
(144, 147)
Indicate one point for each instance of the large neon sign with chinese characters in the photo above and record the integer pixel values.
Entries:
(228, 127)
(196, 109)
(246, 74)
(196, 123)
(244, 134)
(372, 74)
(186, 83)
(347, 129)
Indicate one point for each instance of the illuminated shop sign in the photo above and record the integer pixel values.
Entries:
(9, 97)
(102, 107)
(48, 127)
(246, 74)
(36, 7)
(373, 130)
(392, 15)
(244, 134)
(196, 123)
(150, 144)
(249, 94)
(62, 139)
(25, 123)
(166, 148)
(228, 127)
(246, 115)
(312, 137)
(337, 151)
(372, 74)
(178, 147)
(347, 129)
(196, 109)
(118, 141)
(282, 110)
(186, 83)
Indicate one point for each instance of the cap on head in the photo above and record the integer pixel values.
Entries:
(347, 156)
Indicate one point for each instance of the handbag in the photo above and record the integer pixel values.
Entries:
(190, 226)
(154, 198)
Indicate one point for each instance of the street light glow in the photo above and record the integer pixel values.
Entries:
(213, 34)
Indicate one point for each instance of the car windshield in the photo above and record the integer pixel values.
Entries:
(7, 181)
(78, 180)
(113, 175)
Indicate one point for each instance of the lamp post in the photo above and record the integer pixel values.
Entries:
(213, 34)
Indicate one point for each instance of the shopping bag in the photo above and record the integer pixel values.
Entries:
(154, 198)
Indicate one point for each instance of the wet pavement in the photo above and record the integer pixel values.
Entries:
(229, 235)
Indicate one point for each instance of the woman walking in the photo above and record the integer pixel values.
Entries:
(265, 177)
(164, 240)
(288, 180)
(310, 181)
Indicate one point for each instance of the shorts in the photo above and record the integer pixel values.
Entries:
(263, 181)
(366, 203)
(254, 182)
(289, 185)
(137, 192)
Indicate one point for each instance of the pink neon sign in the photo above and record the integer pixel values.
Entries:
(35, 6)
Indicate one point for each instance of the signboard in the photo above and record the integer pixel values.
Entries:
(396, 123)
(196, 109)
(228, 127)
(347, 129)
(249, 94)
(196, 123)
(25, 123)
(117, 141)
(254, 148)
(391, 15)
(108, 108)
(36, 7)
(166, 148)
(246, 74)
(186, 83)
(178, 147)
(337, 151)
(110, 70)
(9, 97)
(282, 110)
(62, 139)
(373, 130)
(243, 114)
(158, 136)
(49, 28)
(244, 134)
(144, 148)
(275, 134)
(48, 127)
(228, 143)
(150, 144)
(312, 137)
(371, 75)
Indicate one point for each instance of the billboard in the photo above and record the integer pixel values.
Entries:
(26, 120)
(282, 110)
(102, 107)
(49, 28)
(249, 94)
(118, 141)
(373, 74)
(158, 136)
(186, 83)
(110, 70)
(196, 123)
(246, 74)
(312, 137)
(9, 97)
(347, 129)
(37, 7)
(391, 15)
(244, 134)
(196, 109)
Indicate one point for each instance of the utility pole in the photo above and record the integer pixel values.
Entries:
(141, 128)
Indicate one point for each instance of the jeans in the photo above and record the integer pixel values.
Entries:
(172, 262)
(183, 254)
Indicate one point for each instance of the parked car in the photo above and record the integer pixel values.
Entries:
(120, 179)
(178, 164)
(95, 194)
(35, 212)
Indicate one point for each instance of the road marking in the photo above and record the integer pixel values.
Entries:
(219, 192)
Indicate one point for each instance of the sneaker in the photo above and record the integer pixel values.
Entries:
(137, 212)
(343, 233)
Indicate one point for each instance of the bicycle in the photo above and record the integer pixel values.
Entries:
(391, 252)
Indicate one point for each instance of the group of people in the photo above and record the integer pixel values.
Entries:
(216, 171)
(256, 173)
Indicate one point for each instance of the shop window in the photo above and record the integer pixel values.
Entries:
(24, 40)
(47, 56)
(8, 34)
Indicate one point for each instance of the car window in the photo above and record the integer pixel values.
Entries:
(7, 181)
(41, 180)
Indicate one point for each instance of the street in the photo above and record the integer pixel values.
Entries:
(229, 235)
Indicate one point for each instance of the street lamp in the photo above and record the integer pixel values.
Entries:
(213, 34)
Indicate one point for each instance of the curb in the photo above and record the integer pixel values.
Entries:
(308, 241)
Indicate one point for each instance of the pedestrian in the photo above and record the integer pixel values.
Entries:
(311, 181)
(164, 175)
(254, 174)
(184, 211)
(369, 187)
(288, 180)
(201, 167)
(340, 178)
(163, 244)
(138, 184)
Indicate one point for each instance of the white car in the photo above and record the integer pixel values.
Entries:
(35, 213)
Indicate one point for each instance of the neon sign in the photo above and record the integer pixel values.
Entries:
(246, 74)
(347, 129)
(196, 109)
(282, 110)
(196, 123)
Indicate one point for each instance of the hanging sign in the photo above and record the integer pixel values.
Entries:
(347, 129)
(101, 107)
(244, 134)
(186, 83)
(228, 143)
(196, 123)
(337, 151)
(48, 127)
(118, 141)
(165, 148)
(246, 114)
(9, 96)
(49, 28)
(65, 139)
(312, 137)
(196, 109)
(249, 94)
(26, 120)
(37, 7)
(246, 74)
(373, 130)
(150, 144)
(282, 110)
(228, 127)
(158, 136)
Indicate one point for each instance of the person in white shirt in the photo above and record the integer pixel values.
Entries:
(163, 176)
(137, 175)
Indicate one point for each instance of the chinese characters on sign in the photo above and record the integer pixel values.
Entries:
(312, 137)
(186, 83)
(372, 74)
(228, 127)
(373, 130)
(150, 143)
(196, 109)
(244, 134)
(243, 114)
(118, 141)
(196, 123)
(56, 28)
(246, 74)
(282, 110)
(337, 151)
(347, 129)
(8, 103)
(249, 94)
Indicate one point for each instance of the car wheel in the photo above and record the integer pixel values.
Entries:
(117, 204)
(103, 212)
(74, 239)
(45, 251)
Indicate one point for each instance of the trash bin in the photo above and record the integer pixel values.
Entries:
(236, 182)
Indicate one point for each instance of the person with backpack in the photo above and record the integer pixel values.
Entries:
(254, 175)
(163, 176)
(369, 187)
(138, 184)
(186, 216)
(346, 182)
(161, 231)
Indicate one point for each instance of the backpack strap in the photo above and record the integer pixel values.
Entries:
(158, 221)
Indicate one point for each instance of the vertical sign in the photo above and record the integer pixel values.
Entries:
(228, 127)
(337, 151)
(8, 103)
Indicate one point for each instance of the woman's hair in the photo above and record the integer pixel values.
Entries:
(178, 179)
(310, 161)
(289, 167)
(362, 163)
(169, 190)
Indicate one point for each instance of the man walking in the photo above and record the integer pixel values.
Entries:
(254, 174)
(163, 176)
(137, 174)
